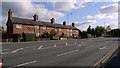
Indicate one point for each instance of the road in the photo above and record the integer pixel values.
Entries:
(83, 52)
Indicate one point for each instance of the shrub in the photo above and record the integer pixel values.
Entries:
(45, 35)
(70, 37)
(29, 36)
(89, 35)
(15, 37)
(4, 34)
(56, 37)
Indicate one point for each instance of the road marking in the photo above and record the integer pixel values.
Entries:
(75, 42)
(17, 50)
(5, 52)
(40, 47)
(106, 56)
(24, 64)
(103, 47)
(79, 45)
(67, 53)
(55, 45)
(66, 43)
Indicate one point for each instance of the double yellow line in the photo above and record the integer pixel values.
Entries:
(106, 57)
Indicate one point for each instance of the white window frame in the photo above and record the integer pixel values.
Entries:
(67, 29)
(60, 29)
(44, 27)
(18, 25)
(55, 29)
(71, 30)
(36, 27)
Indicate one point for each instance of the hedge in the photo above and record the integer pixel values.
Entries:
(56, 37)
(89, 35)
(15, 37)
(29, 36)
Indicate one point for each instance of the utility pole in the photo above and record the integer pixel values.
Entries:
(68, 18)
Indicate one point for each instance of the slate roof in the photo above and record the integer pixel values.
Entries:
(16, 20)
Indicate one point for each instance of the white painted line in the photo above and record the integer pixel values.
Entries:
(103, 47)
(17, 50)
(67, 53)
(55, 45)
(5, 52)
(24, 64)
(66, 43)
(79, 45)
(75, 42)
(40, 47)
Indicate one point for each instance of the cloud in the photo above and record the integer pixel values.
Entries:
(106, 12)
(69, 4)
(109, 9)
(28, 9)
(84, 22)
(113, 25)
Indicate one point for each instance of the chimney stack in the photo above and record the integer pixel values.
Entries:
(64, 23)
(73, 24)
(9, 13)
(53, 20)
(35, 17)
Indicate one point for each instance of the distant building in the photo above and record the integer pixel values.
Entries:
(21, 25)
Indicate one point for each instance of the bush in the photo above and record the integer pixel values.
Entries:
(29, 36)
(4, 34)
(70, 37)
(79, 37)
(89, 35)
(56, 37)
(45, 35)
(15, 37)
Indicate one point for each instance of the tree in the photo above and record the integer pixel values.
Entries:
(53, 32)
(99, 30)
(89, 29)
(93, 31)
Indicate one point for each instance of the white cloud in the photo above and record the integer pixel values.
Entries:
(106, 12)
(28, 9)
(109, 9)
(84, 22)
(69, 4)
(113, 25)
(89, 17)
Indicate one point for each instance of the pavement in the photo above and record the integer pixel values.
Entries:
(83, 52)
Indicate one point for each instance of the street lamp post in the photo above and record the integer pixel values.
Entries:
(68, 18)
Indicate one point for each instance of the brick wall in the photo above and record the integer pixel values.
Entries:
(30, 28)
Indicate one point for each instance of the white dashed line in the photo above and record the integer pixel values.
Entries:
(103, 48)
(17, 50)
(40, 47)
(67, 53)
(24, 64)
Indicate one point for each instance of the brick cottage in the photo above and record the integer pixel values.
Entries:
(19, 25)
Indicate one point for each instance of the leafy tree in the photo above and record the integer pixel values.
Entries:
(99, 30)
(89, 29)
(93, 31)
(53, 32)
(4, 34)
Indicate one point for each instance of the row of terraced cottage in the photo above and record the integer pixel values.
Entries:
(20, 25)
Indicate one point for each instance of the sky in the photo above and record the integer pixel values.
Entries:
(84, 12)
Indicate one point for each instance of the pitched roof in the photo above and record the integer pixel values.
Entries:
(41, 23)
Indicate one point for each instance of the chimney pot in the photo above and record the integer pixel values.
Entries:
(53, 20)
(35, 17)
(73, 24)
(9, 13)
(64, 23)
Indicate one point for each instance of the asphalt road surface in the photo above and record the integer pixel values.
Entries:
(83, 52)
